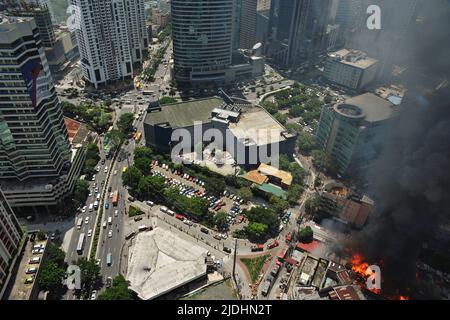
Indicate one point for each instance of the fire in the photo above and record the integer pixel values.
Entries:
(404, 298)
(359, 266)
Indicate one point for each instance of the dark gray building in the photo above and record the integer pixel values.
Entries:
(246, 132)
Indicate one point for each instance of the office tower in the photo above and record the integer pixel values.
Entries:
(352, 133)
(385, 44)
(247, 32)
(287, 31)
(35, 155)
(263, 5)
(316, 29)
(112, 37)
(11, 234)
(202, 39)
(41, 15)
(346, 17)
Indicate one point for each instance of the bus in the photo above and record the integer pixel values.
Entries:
(79, 223)
(115, 198)
(109, 259)
(138, 136)
(80, 245)
(147, 92)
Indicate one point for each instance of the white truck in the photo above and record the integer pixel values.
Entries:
(79, 223)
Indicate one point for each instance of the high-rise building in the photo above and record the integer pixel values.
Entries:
(384, 44)
(263, 5)
(202, 39)
(10, 235)
(351, 133)
(111, 39)
(247, 34)
(41, 15)
(37, 167)
(287, 31)
(346, 17)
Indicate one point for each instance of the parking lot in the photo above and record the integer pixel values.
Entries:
(190, 186)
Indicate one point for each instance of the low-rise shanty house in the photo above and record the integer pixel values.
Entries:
(270, 180)
(345, 204)
(348, 292)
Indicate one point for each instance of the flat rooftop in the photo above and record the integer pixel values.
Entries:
(374, 108)
(184, 114)
(20, 289)
(363, 62)
(257, 126)
(160, 262)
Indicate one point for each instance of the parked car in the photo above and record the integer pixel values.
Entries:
(227, 250)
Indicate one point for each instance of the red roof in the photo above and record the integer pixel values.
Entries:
(291, 261)
(310, 247)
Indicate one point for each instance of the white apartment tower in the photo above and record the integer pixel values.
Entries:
(111, 37)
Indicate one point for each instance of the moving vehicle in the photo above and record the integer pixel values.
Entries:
(89, 233)
(110, 233)
(79, 223)
(109, 259)
(86, 220)
(273, 244)
(80, 245)
(227, 250)
(115, 198)
(258, 247)
(96, 205)
(124, 169)
(138, 136)
(142, 228)
(106, 205)
(91, 207)
(110, 220)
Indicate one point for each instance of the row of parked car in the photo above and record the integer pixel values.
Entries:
(35, 260)
(179, 173)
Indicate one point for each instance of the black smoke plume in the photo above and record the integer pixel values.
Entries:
(410, 181)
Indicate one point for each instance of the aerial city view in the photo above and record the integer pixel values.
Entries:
(234, 150)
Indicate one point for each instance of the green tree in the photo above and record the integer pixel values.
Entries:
(144, 165)
(296, 110)
(256, 230)
(327, 99)
(322, 161)
(125, 123)
(51, 277)
(167, 100)
(278, 204)
(312, 205)
(55, 254)
(215, 186)
(305, 142)
(263, 215)
(80, 192)
(116, 137)
(281, 118)
(220, 220)
(271, 107)
(131, 177)
(245, 193)
(92, 152)
(89, 273)
(294, 193)
(143, 152)
(118, 291)
(89, 167)
(306, 235)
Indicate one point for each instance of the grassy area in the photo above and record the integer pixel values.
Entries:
(134, 212)
(255, 265)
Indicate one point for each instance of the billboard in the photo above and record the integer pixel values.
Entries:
(30, 71)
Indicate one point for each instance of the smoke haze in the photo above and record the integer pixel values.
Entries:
(410, 181)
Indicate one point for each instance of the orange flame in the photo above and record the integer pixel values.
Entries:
(404, 298)
(359, 266)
